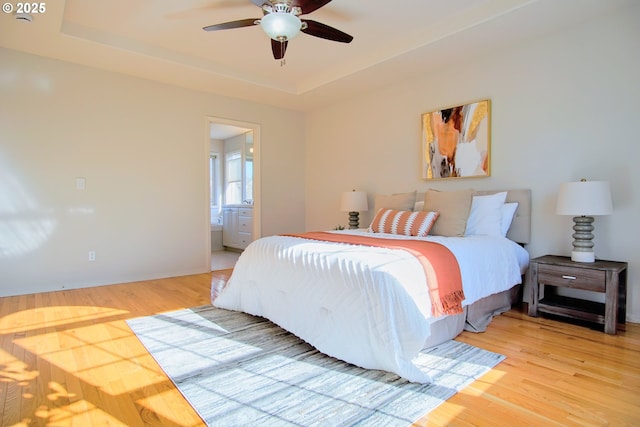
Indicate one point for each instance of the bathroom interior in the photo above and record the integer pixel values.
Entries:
(231, 184)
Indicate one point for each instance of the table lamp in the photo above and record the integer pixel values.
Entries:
(354, 202)
(583, 200)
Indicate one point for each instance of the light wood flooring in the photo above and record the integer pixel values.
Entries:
(221, 260)
(67, 358)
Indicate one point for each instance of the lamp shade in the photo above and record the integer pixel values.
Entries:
(281, 26)
(354, 201)
(584, 198)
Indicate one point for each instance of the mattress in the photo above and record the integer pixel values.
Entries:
(365, 305)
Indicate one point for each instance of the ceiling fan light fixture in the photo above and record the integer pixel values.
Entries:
(281, 26)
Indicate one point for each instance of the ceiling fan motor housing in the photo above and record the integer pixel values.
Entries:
(281, 23)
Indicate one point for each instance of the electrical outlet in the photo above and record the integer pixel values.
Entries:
(92, 255)
(80, 183)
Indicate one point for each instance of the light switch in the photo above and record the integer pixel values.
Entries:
(80, 182)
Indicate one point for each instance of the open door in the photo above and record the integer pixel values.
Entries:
(232, 153)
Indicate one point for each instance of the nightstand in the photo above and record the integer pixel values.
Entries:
(548, 273)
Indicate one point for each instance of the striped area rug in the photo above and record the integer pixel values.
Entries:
(237, 370)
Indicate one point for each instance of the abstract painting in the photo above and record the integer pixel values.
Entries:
(455, 141)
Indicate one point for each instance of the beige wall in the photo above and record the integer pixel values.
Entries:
(563, 107)
(142, 148)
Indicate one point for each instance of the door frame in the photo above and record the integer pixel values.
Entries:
(257, 228)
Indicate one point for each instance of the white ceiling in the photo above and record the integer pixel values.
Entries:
(163, 40)
(222, 131)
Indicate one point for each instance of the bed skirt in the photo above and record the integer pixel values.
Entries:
(475, 318)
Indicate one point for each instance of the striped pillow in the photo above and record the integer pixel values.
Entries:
(403, 222)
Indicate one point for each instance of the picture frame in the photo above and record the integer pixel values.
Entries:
(456, 141)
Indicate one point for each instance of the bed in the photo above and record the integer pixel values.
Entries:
(368, 305)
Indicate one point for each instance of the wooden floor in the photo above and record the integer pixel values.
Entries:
(68, 358)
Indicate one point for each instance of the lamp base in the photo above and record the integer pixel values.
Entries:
(353, 220)
(583, 256)
(583, 239)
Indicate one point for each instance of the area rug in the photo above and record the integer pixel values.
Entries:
(237, 370)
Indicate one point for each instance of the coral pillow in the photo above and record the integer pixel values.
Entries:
(403, 222)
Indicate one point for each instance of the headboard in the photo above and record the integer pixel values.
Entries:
(520, 231)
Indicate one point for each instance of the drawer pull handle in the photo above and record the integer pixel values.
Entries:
(569, 277)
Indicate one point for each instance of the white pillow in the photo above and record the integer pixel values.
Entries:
(508, 211)
(418, 206)
(485, 217)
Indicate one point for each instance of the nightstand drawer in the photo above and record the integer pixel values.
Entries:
(579, 278)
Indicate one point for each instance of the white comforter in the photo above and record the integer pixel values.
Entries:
(365, 305)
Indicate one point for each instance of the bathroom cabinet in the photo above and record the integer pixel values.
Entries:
(237, 226)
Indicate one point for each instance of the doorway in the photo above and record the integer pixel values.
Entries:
(233, 149)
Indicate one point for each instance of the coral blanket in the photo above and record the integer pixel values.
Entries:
(440, 266)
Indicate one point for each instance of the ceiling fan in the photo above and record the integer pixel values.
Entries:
(281, 23)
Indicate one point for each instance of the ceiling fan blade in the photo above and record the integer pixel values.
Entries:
(323, 31)
(232, 24)
(278, 48)
(309, 6)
